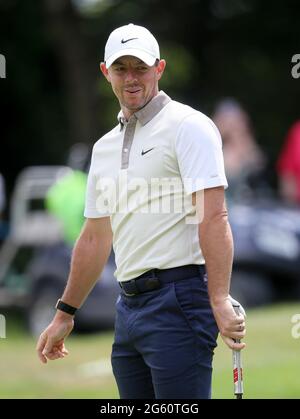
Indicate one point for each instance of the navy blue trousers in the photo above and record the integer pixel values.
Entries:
(164, 342)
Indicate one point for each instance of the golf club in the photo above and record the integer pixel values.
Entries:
(236, 356)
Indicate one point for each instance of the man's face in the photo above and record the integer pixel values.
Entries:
(133, 82)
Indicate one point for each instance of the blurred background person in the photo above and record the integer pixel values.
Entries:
(243, 158)
(65, 199)
(288, 166)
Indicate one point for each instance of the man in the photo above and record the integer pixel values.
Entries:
(162, 154)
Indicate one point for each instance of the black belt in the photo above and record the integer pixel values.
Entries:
(154, 278)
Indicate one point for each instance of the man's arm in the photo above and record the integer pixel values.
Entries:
(90, 255)
(216, 243)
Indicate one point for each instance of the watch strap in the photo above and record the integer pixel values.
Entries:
(60, 305)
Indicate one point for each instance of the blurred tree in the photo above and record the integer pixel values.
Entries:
(65, 30)
(32, 111)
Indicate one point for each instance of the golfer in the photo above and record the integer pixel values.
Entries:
(156, 193)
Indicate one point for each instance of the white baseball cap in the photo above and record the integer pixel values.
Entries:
(131, 40)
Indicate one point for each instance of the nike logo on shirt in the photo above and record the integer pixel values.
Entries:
(127, 40)
(147, 151)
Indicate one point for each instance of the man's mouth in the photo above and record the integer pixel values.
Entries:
(132, 90)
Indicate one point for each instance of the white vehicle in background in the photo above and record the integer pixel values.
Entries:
(35, 260)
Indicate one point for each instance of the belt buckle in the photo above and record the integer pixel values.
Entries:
(128, 294)
(153, 283)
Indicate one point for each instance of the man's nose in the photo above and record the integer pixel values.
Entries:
(130, 76)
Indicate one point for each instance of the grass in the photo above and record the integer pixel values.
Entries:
(76, 376)
(271, 362)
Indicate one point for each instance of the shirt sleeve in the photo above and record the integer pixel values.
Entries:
(198, 146)
(96, 206)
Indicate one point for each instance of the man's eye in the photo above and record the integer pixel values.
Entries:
(142, 68)
(119, 69)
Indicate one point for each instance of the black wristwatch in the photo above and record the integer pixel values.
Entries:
(60, 305)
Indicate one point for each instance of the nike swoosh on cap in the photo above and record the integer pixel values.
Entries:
(123, 41)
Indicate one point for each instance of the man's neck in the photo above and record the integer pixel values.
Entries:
(129, 112)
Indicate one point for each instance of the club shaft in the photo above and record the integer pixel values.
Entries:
(237, 372)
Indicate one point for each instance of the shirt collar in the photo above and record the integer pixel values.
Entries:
(148, 112)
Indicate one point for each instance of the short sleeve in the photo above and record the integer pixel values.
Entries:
(198, 147)
(95, 204)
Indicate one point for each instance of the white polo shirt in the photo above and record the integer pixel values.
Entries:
(142, 175)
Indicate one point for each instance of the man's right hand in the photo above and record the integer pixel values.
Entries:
(51, 341)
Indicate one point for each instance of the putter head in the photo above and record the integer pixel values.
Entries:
(237, 305)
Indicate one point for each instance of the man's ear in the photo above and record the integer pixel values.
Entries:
(104, 71)
(160, 68)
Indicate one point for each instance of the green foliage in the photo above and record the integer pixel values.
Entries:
(179, 70)
(54, 94)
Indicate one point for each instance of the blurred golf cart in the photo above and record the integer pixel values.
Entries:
(266, 236)
(35, 259)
